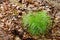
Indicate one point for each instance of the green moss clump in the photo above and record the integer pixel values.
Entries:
(37, 22)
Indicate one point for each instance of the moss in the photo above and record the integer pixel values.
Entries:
(15, 12)
(16, 2)
(37, 23)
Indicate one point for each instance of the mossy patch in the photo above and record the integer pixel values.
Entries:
(37, 22)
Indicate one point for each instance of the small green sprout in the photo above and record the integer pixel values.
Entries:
(37, 22)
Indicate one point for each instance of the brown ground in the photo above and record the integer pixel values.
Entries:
(11, 16)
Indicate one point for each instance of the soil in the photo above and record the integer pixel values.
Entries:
(11, 12)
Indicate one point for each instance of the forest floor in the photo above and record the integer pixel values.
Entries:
(11, 16)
